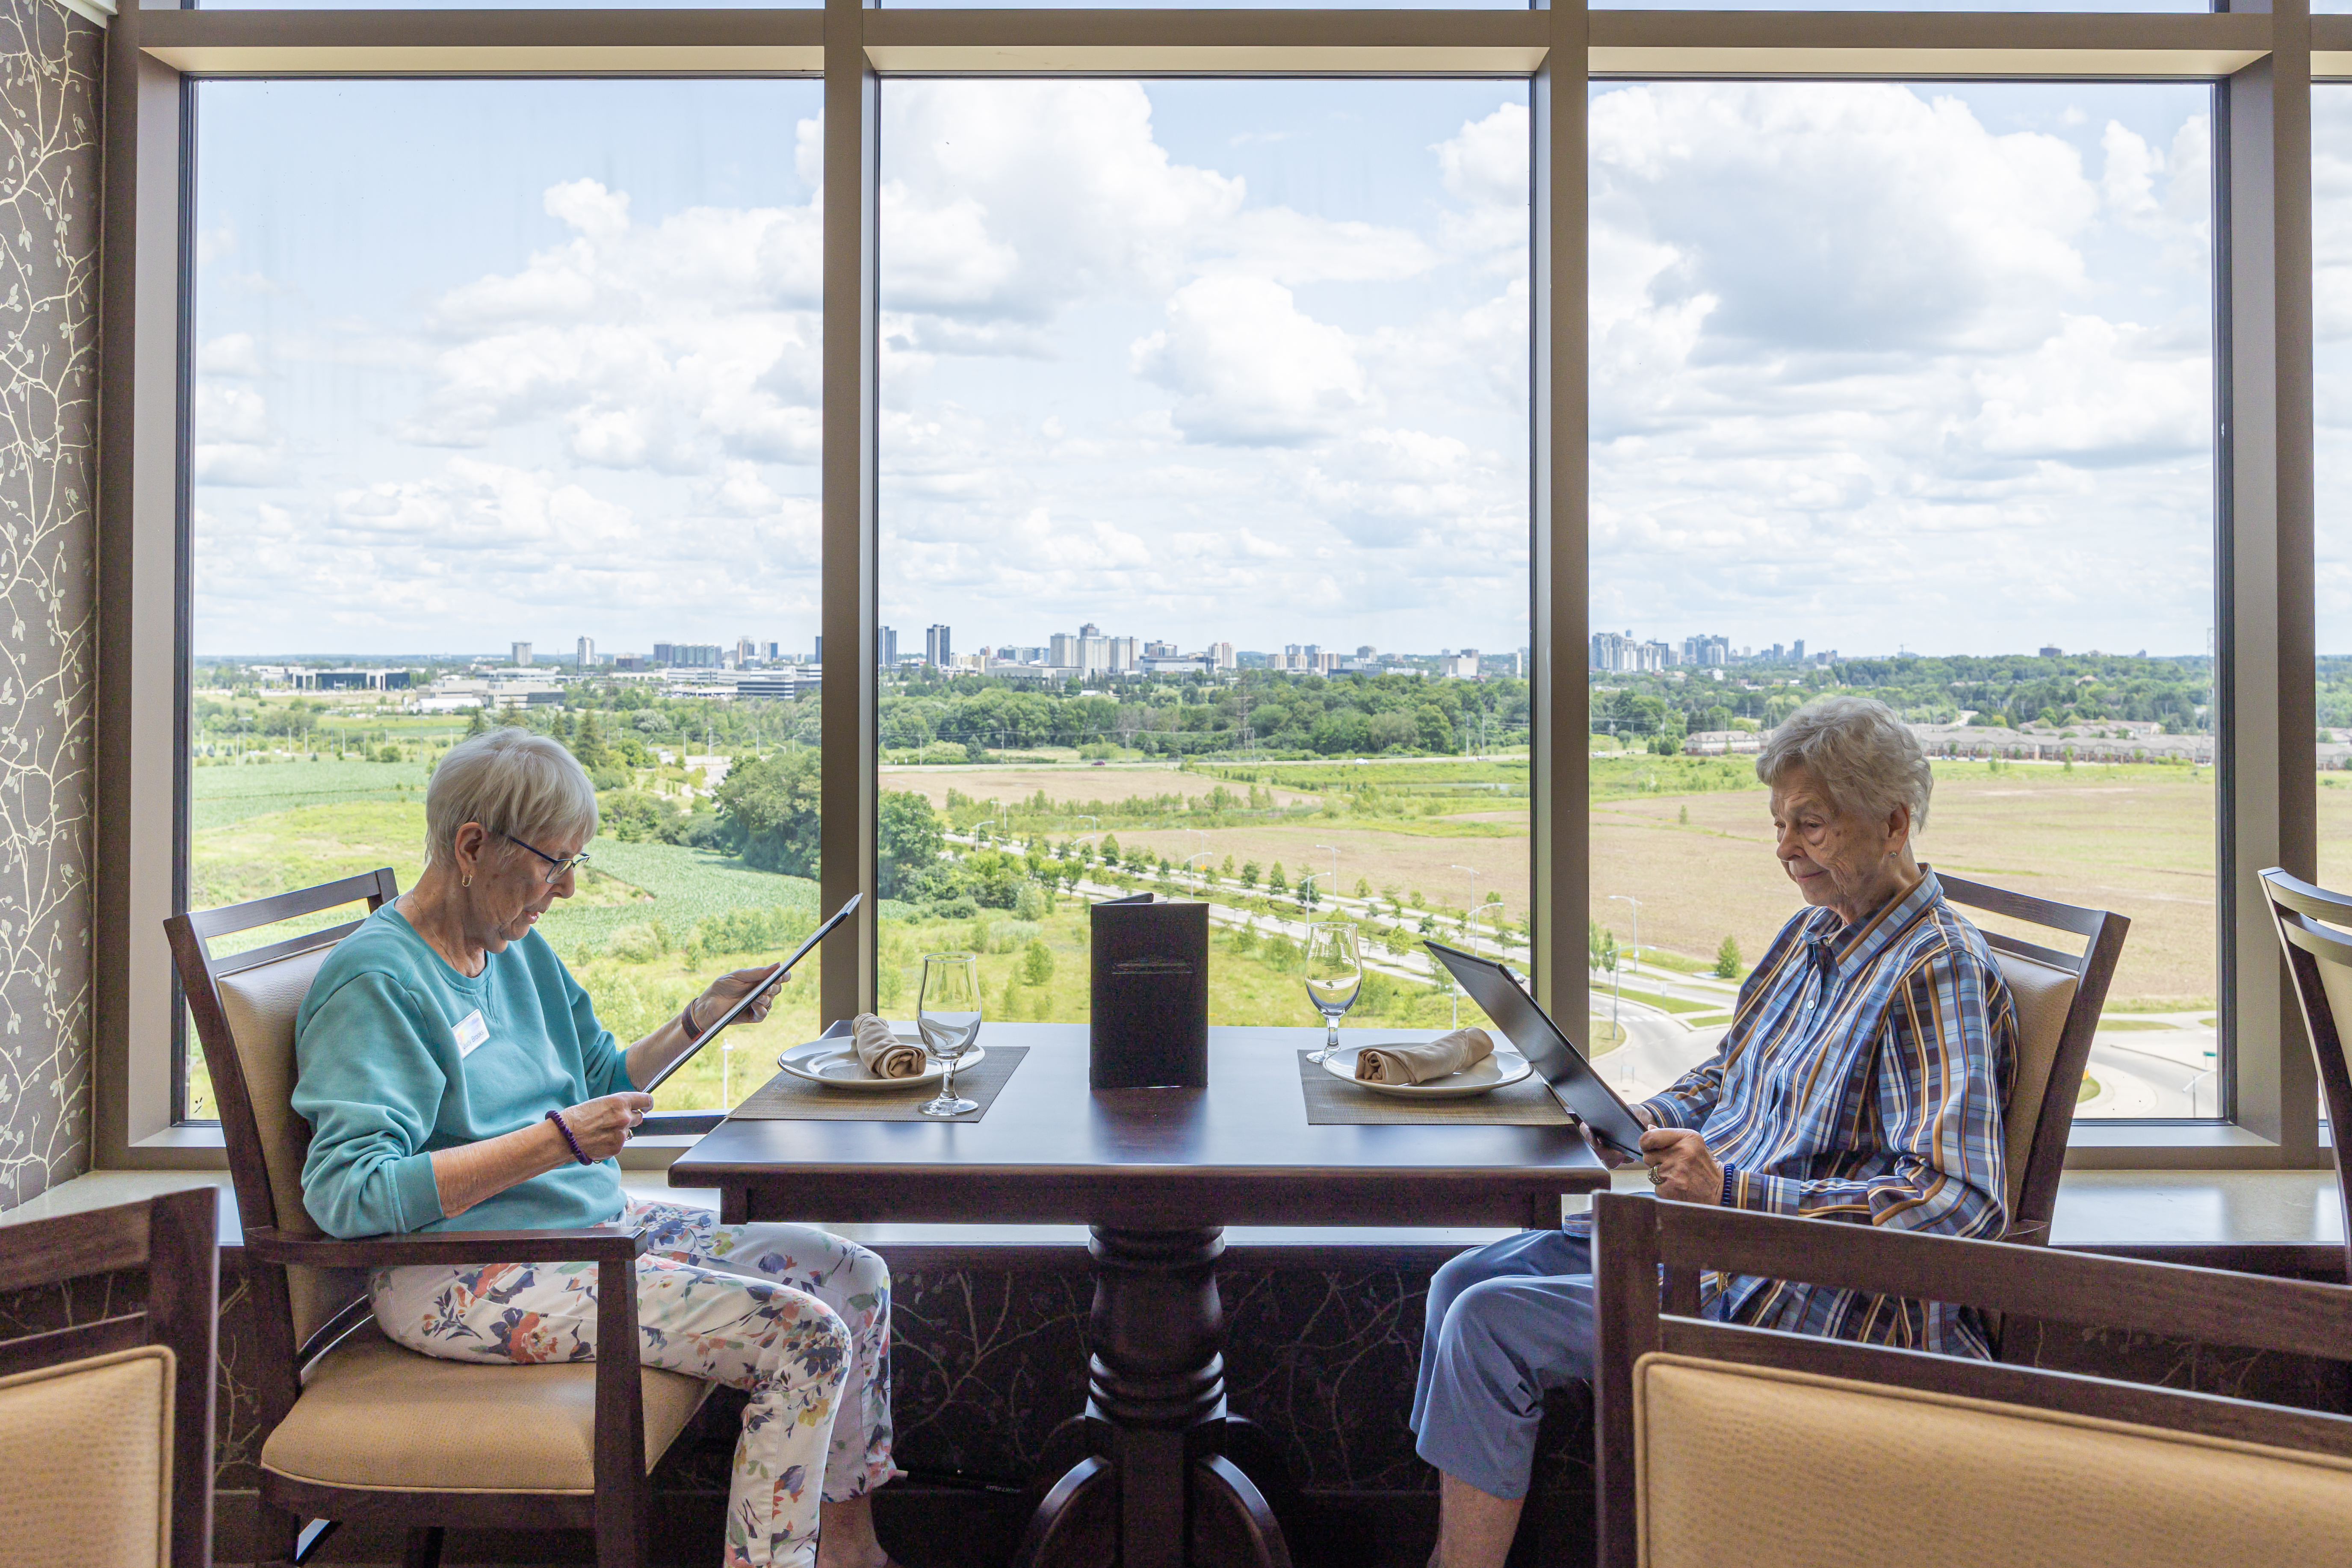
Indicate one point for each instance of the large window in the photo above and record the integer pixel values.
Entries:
(505, 412)
(1244, 430)
(1907, 392)
(1204, 527)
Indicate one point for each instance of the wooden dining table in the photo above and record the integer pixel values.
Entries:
(1157, 1175)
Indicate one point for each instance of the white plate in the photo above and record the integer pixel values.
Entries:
(834, 1063)
(1505, 1065)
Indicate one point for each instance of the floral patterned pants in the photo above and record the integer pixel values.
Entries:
(798, 1318)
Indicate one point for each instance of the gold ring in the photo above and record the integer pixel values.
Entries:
(1656, 1171)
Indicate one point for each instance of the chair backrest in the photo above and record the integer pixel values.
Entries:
(244, 1005)
(2320, 960)
(1723, 1443)
(2058, 995)
(106, 1426)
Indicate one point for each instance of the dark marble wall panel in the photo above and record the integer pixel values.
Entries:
(49, 67)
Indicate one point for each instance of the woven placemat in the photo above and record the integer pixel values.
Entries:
(1336, 1101)
(788, 1099)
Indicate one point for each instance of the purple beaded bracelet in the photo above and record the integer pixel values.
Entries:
(565, 1127)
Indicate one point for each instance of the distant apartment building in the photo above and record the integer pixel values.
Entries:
(747, 653)
(1221, 654)
(886, 646)
(937, 653)
(1706, 649)
(521, 653)
(686, 655)
(585, 658)
(1622, 652)
(1158, 650)
(1463, 666)
(1122, 654)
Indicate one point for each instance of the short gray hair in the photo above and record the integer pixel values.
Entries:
(510, 781)
(1866, 759)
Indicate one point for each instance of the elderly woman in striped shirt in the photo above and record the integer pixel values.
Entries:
(1861, 1080)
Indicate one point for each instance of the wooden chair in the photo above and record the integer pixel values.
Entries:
(2320, 959)
(2058, 997)
(357, 1426)
(106, 1428)
(1721, 1443)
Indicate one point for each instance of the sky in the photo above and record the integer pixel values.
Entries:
(1873, 365)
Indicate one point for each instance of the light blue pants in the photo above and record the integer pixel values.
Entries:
(1507, 1324)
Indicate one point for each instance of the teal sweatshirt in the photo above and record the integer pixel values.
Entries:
(399, 1055)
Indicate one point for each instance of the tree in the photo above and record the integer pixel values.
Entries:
(1275, 882)
(1249, 874)
(588, 744)
(767, 808)
(1037, 961)
(1727, 958)
(1110, 849)
(478, 725)
(1033, 904)
(906, 843)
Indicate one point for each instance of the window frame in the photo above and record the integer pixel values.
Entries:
(2262, 64)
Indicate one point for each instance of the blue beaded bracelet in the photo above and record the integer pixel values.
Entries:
(565, 1127)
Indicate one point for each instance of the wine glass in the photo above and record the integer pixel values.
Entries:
(1334, 974)
(947, 1014)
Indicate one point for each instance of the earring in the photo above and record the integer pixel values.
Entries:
(465, 882)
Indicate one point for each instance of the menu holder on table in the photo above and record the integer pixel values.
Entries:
(1150, 1022)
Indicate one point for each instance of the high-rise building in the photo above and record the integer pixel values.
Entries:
(1090, 630)
(1094, 650)
(1062, 652)
(936, 651)
(1797, 650)
(775, 652)
(746, 651)
(1156, 648)
(585, 659)
(521, 653)
(665, 654)
(1122, 654)
(816, 655)
(886, 639)
(1222, 654)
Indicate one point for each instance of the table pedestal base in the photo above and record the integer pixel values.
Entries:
(1159, 1490)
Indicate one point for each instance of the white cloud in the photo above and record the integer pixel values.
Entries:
(1249, 368)
(232, 354)
(233, 443)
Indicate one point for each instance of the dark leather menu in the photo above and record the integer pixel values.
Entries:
(1149, 1024)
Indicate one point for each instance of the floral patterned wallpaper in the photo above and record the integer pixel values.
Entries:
(51, 62)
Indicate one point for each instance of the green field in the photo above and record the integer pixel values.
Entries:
(654, 923)
(1689, 836)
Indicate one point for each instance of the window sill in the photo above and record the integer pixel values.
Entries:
(2095, 1146)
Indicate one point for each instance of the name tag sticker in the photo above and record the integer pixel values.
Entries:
(469, 1033)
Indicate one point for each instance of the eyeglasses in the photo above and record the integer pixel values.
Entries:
(556, 869)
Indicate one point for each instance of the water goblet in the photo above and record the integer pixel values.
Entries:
(947, 1014)
(1334, 974)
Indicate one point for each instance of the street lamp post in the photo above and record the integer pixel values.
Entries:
(1629, 899)
(1335, 867)
(1471, 918)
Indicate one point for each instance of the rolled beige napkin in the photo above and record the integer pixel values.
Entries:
(883, 1053)
(1418, 1063)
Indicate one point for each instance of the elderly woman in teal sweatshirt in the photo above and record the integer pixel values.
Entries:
(456, 1077)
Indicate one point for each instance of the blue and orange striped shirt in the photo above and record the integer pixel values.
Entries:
(1863, 1080)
